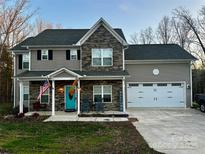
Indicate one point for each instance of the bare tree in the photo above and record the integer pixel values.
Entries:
(41, 25)
(182, 33)
(164, 30)
(146, 36)
(13, 21)
(134, 38)
(185, 16)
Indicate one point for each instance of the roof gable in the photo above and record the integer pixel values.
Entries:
(63, 72)
(100, 22)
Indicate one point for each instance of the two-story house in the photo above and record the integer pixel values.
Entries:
(108, 71)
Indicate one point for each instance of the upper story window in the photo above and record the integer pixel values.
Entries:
(102, 56)
(73, 55)
(25, 61)
(44, 54)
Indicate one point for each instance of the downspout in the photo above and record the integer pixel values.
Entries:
(191, 83)
(123, 56)
(14, 79)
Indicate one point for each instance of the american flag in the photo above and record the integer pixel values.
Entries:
(43, 89)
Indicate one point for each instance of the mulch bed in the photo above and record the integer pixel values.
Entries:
(12, 118)
(103, 115)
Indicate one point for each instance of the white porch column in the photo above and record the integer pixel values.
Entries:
(78, 96)
(21, 97)
(123, 93)
(53, 97)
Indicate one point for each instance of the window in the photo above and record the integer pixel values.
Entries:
(161, 84)
(25, 61)
(25, 93)
(73, 54)
(176, 84)
(102, 93)
(45, 97)
(133, 85)
(102, 57)
(147, 85)
(44, 54)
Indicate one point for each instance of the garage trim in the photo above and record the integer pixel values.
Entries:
(169, 82)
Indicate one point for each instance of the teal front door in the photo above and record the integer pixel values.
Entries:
(70, 100)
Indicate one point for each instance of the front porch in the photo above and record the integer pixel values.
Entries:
(91, 95)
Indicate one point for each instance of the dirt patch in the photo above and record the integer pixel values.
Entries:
(128, 138)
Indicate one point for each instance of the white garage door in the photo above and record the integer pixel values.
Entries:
(155, 94)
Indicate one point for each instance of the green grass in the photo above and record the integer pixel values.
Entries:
(70, 137)
(5, 108)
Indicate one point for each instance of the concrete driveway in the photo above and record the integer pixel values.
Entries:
(172, 131)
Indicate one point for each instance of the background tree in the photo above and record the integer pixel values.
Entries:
(146, 36)
(14, 27)
(165, 31)
(41, 24)
(134, 38)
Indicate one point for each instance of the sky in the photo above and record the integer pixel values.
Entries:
(130, 15)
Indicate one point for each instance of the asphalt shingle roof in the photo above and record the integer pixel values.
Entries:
(19, 46)
(157, 52)
(82, 73)
(58, 37)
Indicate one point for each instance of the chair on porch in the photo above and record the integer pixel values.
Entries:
(99, 105)
(38, 107)
(85, 106)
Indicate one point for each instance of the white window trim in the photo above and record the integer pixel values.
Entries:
(47, 95)
(25, 86)
(26, 61)
(44, 50)
(76, 54)
(101, 51)
(102, 92)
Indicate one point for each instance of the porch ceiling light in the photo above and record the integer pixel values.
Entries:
(60, 90)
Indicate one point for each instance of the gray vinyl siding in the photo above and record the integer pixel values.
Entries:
(168, 72)
(59, 61)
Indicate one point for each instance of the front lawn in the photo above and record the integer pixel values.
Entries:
(24, 136)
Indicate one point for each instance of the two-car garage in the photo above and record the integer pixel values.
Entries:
(156, 94)
(159, 76)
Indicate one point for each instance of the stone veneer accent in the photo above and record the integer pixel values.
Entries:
(59, 95)
(102, 38)
(34, 88)
(87, 92)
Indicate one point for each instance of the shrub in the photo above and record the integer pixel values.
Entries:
(20, 115)
(35, 115)
(195, 105)
(15, 110)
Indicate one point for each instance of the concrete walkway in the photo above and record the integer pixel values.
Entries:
(172, 131)
(88, 119)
